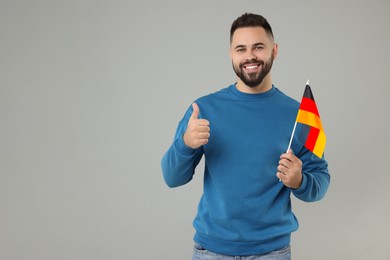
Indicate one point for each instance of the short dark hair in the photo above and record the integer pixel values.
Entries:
(251, 20)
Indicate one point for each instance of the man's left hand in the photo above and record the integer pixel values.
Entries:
(290, 170)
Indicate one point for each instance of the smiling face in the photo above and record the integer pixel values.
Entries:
(252, 52)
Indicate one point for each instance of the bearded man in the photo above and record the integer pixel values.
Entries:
(242, 131)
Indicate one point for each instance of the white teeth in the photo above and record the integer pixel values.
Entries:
(251, 67)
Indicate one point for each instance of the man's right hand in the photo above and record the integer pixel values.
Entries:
(198, 130)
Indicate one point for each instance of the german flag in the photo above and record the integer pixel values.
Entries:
(308, 115)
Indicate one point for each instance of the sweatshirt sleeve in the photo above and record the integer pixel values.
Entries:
(315, 178)
(179, 162)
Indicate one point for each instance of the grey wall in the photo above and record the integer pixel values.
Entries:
(91, 93)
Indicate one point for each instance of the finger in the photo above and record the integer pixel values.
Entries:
(203, 122)
(288, 156)
(291, 160)
(196, 128)
(204, 135)
(280, 176)
(204, 141)
(285, 162)
(195, 112)
(202, 129)
(282, 169)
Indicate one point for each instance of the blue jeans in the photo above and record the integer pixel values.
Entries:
(202, 254)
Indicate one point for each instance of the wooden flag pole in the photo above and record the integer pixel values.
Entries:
(291, 138)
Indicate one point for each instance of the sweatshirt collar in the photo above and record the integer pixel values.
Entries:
(249, 96)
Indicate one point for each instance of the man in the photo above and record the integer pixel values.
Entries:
(242, 131)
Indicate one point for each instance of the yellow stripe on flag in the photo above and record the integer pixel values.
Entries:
(308, 118)
(320, 144)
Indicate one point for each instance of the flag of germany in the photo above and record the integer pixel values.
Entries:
(308, 115)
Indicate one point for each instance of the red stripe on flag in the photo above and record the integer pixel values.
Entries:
(309, 105)
(312, 138)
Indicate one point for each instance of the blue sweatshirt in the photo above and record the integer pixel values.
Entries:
(244, 209)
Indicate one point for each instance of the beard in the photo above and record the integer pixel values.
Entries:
(254, 79)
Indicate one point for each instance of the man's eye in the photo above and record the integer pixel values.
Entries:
(240, 50)
(259, 47)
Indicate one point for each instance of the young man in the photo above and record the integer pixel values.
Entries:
(243, 131)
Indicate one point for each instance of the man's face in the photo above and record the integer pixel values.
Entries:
(252, 52)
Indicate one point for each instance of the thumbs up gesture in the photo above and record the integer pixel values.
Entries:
(198, 130)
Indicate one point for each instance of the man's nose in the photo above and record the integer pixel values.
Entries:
(250, 55)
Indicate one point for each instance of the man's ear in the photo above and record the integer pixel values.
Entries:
(275, 50)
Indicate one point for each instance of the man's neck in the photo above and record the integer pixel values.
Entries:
(264, 86)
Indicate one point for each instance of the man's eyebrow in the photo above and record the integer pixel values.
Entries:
(240, 46)
(253, 45)
(259, 44)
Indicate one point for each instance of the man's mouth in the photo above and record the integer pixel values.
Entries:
(253, 67)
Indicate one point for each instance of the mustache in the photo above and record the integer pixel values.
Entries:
(260, 62)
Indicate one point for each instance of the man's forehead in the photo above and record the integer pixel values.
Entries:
(250, 36)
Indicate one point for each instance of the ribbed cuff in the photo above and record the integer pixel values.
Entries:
(182, 147)
(302, 189)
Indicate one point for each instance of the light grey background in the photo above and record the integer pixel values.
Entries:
(91, 93)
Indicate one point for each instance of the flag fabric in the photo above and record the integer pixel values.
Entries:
(309, 116)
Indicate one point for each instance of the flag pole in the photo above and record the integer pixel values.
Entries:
(291, 138)
(289, 144)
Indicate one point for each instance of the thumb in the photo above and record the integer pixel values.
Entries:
(195, 112)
